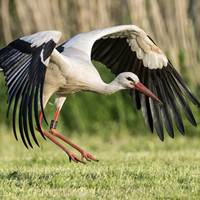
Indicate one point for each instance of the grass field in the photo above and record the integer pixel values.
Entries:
(139, 167)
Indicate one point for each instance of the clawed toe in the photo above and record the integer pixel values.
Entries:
(88, 157)
(73, 157)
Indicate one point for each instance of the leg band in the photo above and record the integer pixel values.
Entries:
(53, 124)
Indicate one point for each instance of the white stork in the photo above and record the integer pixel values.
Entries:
(35, 69)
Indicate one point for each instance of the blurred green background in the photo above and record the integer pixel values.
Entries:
(138, 167)
(173, 24)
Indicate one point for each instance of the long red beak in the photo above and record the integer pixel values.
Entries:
(140, 87)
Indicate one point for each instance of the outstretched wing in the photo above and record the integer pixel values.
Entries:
(24, 63)
(129, 48)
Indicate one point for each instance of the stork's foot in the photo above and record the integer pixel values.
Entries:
(88, 156)
(85, 155)
(73, 157)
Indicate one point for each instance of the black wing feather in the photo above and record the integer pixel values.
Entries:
(184, 87)
(167, 120)
(30, 113)
(172, 102)
(155, 109)
(182, 101)
(145, 105)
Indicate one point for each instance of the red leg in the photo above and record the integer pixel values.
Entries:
(53, 131)
(71, 155)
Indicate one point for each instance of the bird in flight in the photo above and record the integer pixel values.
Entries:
(36, 67)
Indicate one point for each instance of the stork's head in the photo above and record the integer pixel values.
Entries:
(129, 80)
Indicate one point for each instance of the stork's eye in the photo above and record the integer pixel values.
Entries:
(130, 79)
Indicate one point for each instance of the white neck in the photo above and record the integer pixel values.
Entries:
(109, 88)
